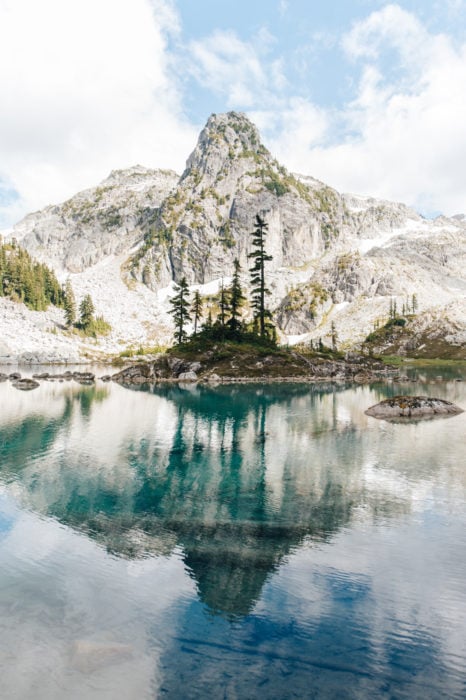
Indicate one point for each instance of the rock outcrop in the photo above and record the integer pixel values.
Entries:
(406, 407)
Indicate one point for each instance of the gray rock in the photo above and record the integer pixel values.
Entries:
(98, 222)
(136, 374)
(88, 377)
(406, 407)
(187, 377)
(26, 384)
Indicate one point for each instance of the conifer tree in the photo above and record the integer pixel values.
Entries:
(180, 310)
(70, 304)
(196, 309)
(334, 335)
(236, 299)
(86, 312)
(25, 280)
(209, 322)
(223, 302)
(259, 290)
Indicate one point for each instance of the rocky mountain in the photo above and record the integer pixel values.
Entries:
(337, 258)
(97, 222)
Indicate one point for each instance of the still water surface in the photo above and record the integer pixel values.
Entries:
(231, 542)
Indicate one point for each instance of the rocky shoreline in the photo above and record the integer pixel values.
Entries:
(215, 369)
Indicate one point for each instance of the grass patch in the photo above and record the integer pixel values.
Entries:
(398, 361)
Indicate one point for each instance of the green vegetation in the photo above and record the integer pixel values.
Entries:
(237, 299)
(259, 291)
(95, 327)
(180, 310)
(228, 324)
(86, 311)
(196, 310)
(23, 279)
(70, 304)
(90, 325)
(399, 361)
(307, 297)
(141, 350)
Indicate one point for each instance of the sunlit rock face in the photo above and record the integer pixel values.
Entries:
(98, 222)
(337, 258)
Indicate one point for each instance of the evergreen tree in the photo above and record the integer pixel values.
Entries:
(223, 306)
(259, 290)
(334, 336)
(197, 309)
(86, 312)
(180, 310)
(70, 304)
(237, 299)
(414, 304)
(209, 322)
(25, 280)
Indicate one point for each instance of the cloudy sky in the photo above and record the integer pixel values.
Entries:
(366, 95)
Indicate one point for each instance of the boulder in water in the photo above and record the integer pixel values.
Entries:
(26, 384)
(413, 407)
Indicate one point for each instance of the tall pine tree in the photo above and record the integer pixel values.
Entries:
(223, 303)
(236, 299)
(180, 310)
(86, 312)
(259, 290)
(70, 304)
(196, 309)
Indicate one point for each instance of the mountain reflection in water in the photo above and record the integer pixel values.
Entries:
(236, 477)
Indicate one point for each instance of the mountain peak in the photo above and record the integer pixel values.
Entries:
(225, 138)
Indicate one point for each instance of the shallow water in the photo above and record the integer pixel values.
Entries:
(236, 542)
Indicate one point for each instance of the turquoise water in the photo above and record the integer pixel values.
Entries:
(231, 542)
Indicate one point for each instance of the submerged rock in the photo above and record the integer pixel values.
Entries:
(89, 655)
(413, 407)
(26, 384)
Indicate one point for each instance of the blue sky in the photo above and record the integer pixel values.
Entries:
(306, 36)
(366, 95)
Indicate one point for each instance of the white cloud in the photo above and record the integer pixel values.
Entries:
(238, 70)
(86, 87)
(404, 134)
(283, 7)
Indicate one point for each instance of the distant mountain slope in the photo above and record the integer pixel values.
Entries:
(97, 222)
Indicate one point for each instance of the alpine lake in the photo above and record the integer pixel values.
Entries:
(235, 542)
